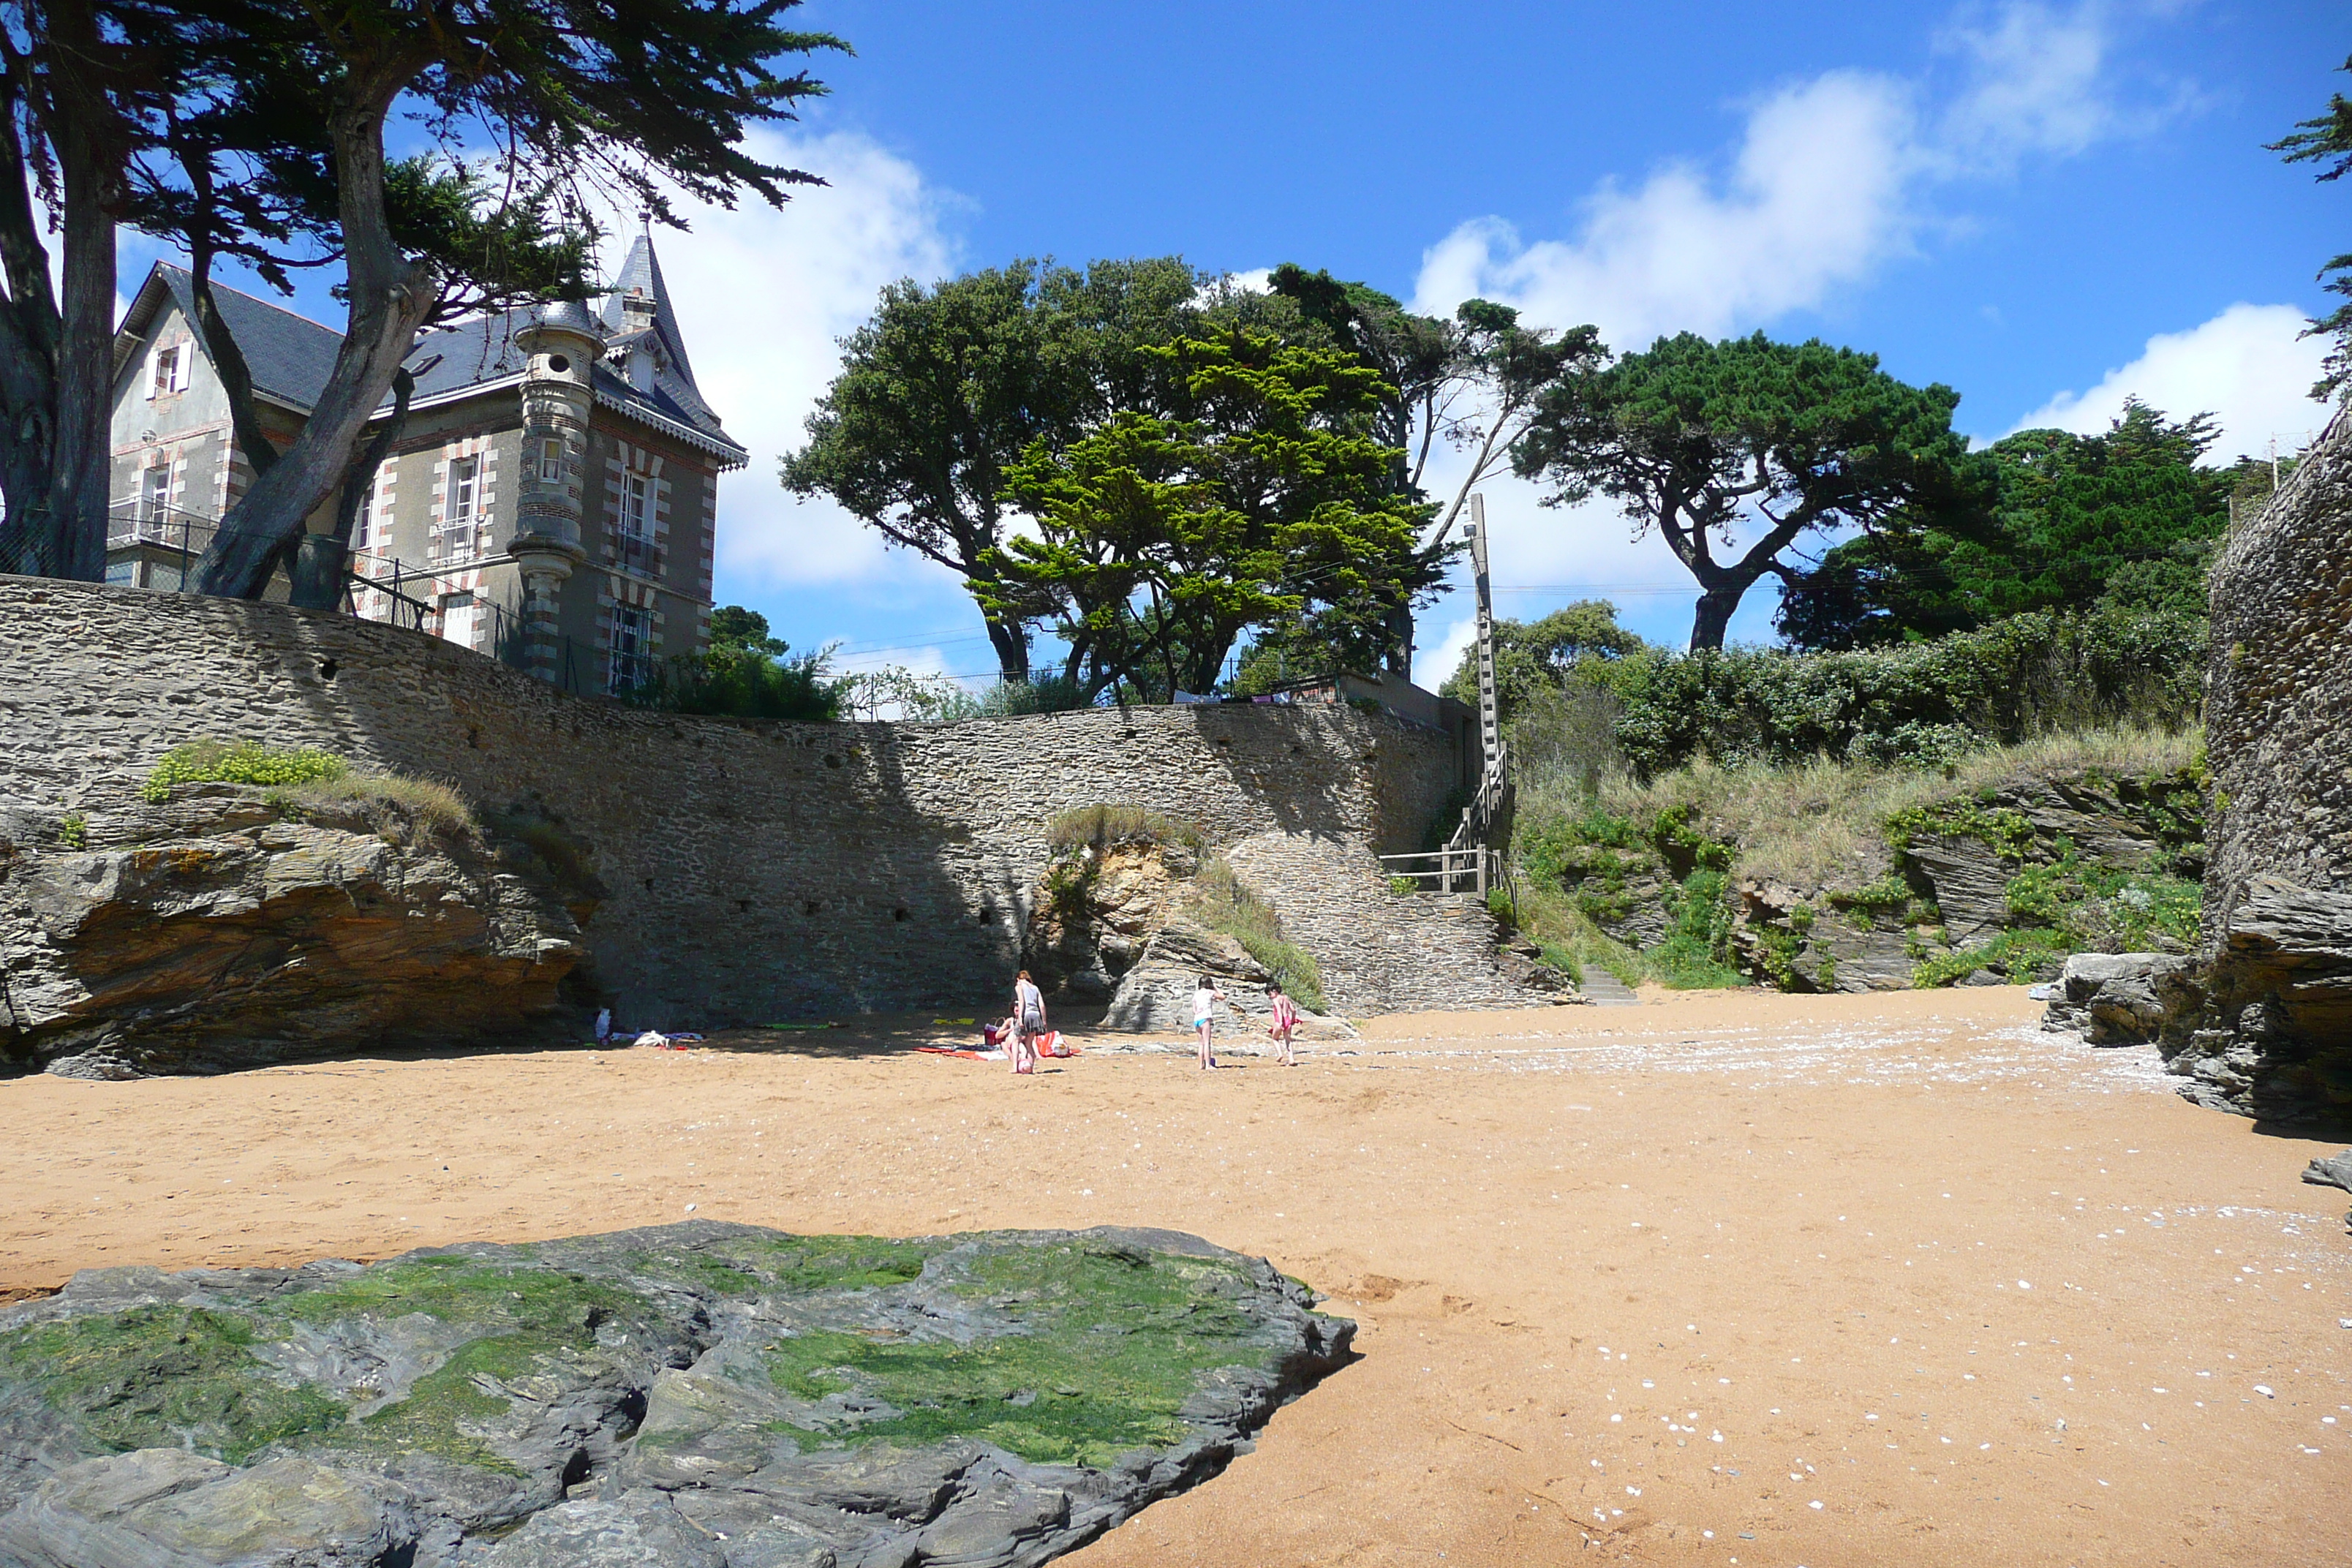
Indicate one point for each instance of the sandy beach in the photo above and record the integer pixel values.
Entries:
(1724, 1278)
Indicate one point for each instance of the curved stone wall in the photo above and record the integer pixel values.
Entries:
(758, 871)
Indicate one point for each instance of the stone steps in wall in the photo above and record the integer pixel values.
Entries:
(1379, 951)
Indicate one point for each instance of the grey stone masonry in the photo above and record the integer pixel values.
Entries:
(757, 870)
(2271, 1035)
(1379, 952)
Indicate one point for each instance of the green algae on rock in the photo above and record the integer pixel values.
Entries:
(799, 1399)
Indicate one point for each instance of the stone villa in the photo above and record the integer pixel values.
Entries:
(551, 500)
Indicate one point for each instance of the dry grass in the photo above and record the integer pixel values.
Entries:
(1103, 825)
(424, 800)
(1822, 822)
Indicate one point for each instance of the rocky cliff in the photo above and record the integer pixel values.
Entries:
(1996, 885)
(227, 926)
(2272, 1034)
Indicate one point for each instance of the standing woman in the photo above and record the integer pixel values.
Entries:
(1204, 1010)
(1028, 1023)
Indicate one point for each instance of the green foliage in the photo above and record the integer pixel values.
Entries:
(1114, 1343)
(240, 762)
(160, 1377)
(947, 388)
(1100, 827)
(744, 673)
(1244, 493)
(2125, 519)
(1405, 886)
(1926, 704)
(1223, 901)
(2327, 139)
(2007, 832)
(2033, 952)
(1695, 954)
(1533, 660)
(1690, 435)
(73, 830)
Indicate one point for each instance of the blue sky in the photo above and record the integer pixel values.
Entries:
(2045, 206)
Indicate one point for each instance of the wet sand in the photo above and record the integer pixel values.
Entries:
(1724, 1278)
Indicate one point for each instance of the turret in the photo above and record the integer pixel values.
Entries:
(562, 343)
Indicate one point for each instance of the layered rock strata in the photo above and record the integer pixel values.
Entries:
(701, 1396)
(226, 927)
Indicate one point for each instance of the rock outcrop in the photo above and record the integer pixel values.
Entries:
(1994, 887)
(2120, 998)
(702, 1396)
(1095, 911)
(2273, 1036)
(227, 926)
(1155, 995)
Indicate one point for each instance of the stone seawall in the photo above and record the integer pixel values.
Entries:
(2272, 1035)
(757, 870)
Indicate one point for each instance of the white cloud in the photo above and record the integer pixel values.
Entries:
(2249, 366)
(762, 296)
(1434, 665)
(1825, 188)
(2035, 83)
(1814, 198)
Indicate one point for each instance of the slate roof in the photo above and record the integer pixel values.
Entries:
(292, 356)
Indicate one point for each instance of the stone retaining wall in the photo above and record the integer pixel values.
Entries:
(2273, 1035)
(758, 871)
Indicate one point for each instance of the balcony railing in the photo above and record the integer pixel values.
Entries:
(635, 553)
(141, 522)
(455, 543)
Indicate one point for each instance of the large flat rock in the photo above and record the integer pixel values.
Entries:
(699, 1395)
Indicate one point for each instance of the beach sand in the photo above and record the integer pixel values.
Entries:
(1724, 1278)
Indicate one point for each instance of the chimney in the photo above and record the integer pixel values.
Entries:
(636, 310)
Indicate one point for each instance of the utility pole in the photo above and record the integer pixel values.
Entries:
(1489, 724)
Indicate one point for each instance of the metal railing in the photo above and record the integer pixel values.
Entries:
(635, 553)
(142, 521)
(1451, 870)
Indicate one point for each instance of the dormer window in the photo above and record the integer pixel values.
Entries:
(171, 371)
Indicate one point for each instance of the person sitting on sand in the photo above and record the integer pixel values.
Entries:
(1205, 1009)
(1029, 1022)
(1285, 1018)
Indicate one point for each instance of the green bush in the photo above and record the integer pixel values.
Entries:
(1925, 704)
(73, 831)
(241, 761)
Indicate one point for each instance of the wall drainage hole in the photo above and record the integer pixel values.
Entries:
(897, 914)
(810, 906)
(326, 669)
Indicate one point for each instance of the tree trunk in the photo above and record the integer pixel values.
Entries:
(1011, 641)
(90, 185)
(323, 560)
(1716, 606)
(29, 330)
(390, 298)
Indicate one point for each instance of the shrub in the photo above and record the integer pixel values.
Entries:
(73, 831)
(241, 761)
(1099, 826)
(1223, 901)
(743, 683)
(1918, 704)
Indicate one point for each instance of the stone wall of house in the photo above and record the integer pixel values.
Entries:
(755, 870)
(2274, 1035)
